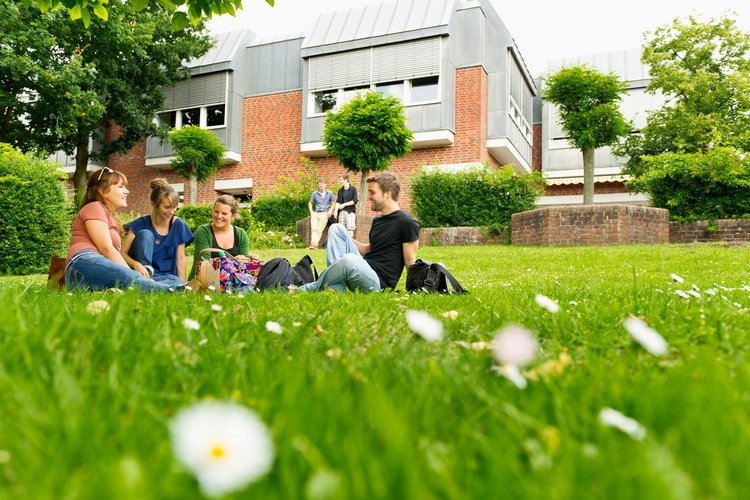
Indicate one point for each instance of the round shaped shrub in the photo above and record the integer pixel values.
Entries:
(36, 217)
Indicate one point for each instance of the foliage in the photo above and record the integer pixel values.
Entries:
(260, 236)
(36, 219)
(301, 184)
(99, 82)
(703, 71)
(85, 10)
(588, 105)
(198, 152)
(695, 186)
(476, 197)
(281, 212)
(367, 134)
(360, 407)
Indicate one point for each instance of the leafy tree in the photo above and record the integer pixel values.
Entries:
(587, 102)
(703, 71)
(367, 134)
(198, 154)
(110, 82)
(196, 9)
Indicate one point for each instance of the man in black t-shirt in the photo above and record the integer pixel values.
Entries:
(394, 239)
(346, 205)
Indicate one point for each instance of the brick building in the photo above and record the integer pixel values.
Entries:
(467, 93)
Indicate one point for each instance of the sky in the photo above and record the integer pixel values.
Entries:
(544, 30)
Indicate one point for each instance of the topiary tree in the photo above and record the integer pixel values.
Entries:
(587, 102)
(198, 154)
(367, 134)
(36, 218)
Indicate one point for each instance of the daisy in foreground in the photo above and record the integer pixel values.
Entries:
(423, 324)
(225, 445)
(514, 347)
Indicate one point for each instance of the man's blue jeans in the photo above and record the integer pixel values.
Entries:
(142, 250)
(346, 270)
(88, 270)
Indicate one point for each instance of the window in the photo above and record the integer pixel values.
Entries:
(191, 117)
(324, 101)
(351, 92)
(424, 90)
(215, 116)
(168, 119)
(395, 89)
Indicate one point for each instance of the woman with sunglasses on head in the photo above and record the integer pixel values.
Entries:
(154, 245)
(220, 233)
(94, 261)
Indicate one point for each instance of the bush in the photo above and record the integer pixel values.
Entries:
(475, 197)
(698, 186)
(36, 214)
(260, 237)
(281, 212)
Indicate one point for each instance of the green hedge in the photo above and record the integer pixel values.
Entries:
(475, 197)
(36, 214)
(281, 212)
(698, 186)
(260, 237)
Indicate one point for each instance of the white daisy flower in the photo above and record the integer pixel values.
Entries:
(512, 373)
(423, 324)
(191, 324)
(694, 294)
(547, 303)
(746, 288)
(207, 298)
(514, 345)
(216, 307)
(682, 294)
(646, 336)
(212, 288)
(97, 306)
(450, 314)
(203, 342)
(676, 278)
(225, 445)
(613, 418)
(573, 303)
(188, 288)
(274, 327)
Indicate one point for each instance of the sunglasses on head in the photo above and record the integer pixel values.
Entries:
(102, 171)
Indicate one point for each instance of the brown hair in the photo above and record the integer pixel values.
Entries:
(228, 200)
(161, 189)
(101, 181)
(387, 182)
(344, 176)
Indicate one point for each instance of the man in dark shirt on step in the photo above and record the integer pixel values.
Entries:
(394, 239)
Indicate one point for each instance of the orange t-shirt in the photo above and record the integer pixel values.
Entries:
(80, 239)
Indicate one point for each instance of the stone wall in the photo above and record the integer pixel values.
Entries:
(591, 225)
(725, 230)
(443, 236)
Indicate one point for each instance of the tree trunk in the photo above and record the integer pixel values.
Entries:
(588, 176)
(193, 190)
(363, 192)
(80, 176)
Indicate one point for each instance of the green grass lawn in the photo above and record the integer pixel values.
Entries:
(360, 407)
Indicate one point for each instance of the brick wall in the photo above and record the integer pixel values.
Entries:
(725, 230)
(590, 225)
(536, 147)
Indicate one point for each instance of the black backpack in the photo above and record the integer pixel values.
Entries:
(423, 276)
(278, 273)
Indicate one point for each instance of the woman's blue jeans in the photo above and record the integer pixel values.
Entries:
(88, 270)
(142, 250)
(346, 270)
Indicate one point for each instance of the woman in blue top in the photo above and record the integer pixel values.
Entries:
(155, 244)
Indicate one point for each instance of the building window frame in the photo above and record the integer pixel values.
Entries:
(176, 116)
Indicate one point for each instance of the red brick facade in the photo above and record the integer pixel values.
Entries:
(271, 145)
